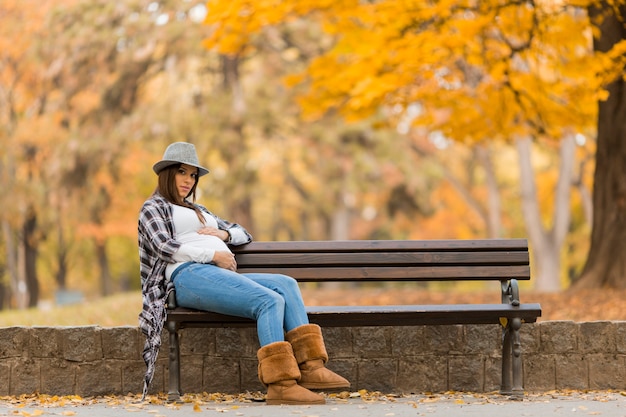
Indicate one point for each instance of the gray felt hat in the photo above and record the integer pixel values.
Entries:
(180, 153)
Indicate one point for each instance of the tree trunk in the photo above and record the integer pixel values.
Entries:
(62, 260)
(30, 245)
(606, 263)
(341, 223)
(493, 213)
(546, 244)
(106, 285)
(12, 265)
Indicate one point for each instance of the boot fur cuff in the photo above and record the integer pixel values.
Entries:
(277, 363)
(308, 343)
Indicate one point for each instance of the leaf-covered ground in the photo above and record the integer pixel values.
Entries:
(122, 309)
(358, 403)
(587, 305)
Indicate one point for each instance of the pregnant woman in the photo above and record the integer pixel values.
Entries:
(182, 242)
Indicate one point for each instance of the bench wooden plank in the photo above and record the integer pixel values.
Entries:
(392, 273)
(388, 315)
(476, 245)
(384, 258)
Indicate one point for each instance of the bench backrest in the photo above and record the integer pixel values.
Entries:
(387, 260)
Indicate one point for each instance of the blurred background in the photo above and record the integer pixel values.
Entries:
(318, 120)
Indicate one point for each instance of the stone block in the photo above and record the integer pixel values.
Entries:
(221, 375)
(571, 372)
(539, 372)
(425, 373)
(191, 370)
(45, 342)
(466, 373)
(249, 377)
(493, 374)
(408, 341)
(620, 336)
(132, 376)
(346, 368)
(377, 374)
(446, 339)
(81, 344)
(372, 342)
(25, 377)
(559, 337)
(236, 342)
(5, 375)
(165, 340)
(58, 377)
(338, 341)
(597, 337)
(121, 343)
(483, 339)
(13, 342)
(530, 336)
(606, 371)
(99, 378)
(197, 341)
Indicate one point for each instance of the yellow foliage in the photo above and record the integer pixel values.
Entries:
(499, 69)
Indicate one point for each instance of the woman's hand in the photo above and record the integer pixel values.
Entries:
(225, 259)
(212, 231)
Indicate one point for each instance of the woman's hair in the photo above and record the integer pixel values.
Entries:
(167, 188)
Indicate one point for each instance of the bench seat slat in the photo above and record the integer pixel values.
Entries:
(440, 273)
(405, 315)
(385, 258)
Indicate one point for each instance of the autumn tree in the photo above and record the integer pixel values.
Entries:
(606, 265)
(72, 117)
(109, 62)
(23, 94)
(478, 70)
(268, 128)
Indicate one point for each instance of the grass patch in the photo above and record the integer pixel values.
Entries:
(116, 310)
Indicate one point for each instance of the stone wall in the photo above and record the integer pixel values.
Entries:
(91, 361)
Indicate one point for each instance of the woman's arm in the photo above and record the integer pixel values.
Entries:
(237, 235)
(155, 230)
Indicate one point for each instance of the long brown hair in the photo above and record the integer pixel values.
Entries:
(167, 188)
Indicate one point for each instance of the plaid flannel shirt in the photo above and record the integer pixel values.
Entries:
(157, 245)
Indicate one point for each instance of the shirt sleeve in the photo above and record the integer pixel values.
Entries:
(154, 231)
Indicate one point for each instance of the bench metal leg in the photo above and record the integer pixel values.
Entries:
(512, 376)
(174, 392)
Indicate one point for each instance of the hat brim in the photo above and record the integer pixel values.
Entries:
(161, 165)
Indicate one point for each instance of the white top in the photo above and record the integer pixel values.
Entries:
(195, 247)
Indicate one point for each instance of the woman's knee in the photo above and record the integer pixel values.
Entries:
(287, 282)
(272, 300)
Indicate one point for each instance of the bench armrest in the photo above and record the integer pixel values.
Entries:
(510, 292)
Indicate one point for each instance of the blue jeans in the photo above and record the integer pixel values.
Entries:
(273, 300)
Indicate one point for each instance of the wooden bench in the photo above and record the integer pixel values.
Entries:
(504, 261)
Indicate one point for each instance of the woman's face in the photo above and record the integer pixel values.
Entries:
(185, 178)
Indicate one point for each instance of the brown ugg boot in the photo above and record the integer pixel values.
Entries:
(310, 352)
(278, 370)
